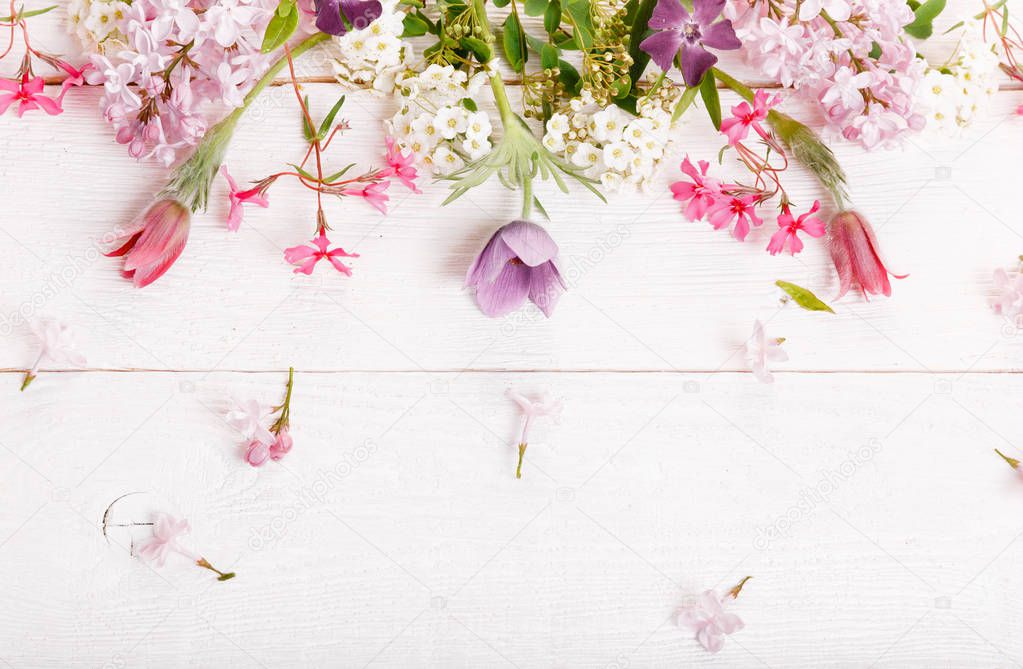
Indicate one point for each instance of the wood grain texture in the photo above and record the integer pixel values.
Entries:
(870, 509)
(861, 490)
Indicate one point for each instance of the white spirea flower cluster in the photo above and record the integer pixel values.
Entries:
(434, 122)
(95, 22)
(376, 54)
(952, 96)
(609, 144)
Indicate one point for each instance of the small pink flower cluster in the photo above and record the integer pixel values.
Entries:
(733, 204)
(262, 443)
(178, 58)
(850, 56)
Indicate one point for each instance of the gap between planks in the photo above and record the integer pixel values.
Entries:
(511, 370)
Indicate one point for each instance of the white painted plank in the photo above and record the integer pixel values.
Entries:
(395, 533)
(649, 290)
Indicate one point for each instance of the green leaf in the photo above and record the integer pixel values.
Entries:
(579, 10)
(285, 7)
(303, 172)
(1005, 21)
(337, 175)
(470, 104)
(514, 43)
(684, 102)
(279, 30)
(875, 51)
(548, 57)
(22, 14)
(307, 130)
(641, 16)
(414, 26)
(535, 7)
(922, 25)
(329, 120)
(709, 93)
(501, 3)
(479, 48)
(552, 17)
(569, 77)
(803, 297)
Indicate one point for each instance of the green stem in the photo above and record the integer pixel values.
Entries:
(522, 454)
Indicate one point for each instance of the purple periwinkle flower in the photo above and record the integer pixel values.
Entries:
(357, 15)
(678, 32)
(518, 262)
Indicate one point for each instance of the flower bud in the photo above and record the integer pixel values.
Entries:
(857, 259)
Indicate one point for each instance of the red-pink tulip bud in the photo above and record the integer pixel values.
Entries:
(856, 256)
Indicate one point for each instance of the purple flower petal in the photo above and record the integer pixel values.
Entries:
(721, 35)
(695, 62)
(507, 292)
(328, 17)
(545, 287)
(705, 11)
(662, 47)
(668, 14)
(489, 263)
(361, 13)
(531, 243)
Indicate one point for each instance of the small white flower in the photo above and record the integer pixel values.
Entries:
(586, 155)
(421, 144)
(611, 181)
(449, 121)
(617, 156)
(446, 161)
(557, 124)
(554, 142)
(477, 126)
(476, 147)
(607, 125)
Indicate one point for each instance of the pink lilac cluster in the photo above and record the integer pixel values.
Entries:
(179, 56)
(735, 205)
(849, 56)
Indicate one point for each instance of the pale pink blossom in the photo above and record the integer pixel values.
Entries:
(254, 196)
(789, 226)
(838, 10)
(307, 255)
(1008, 300)
(247, 417)
(401, 166)
(257, 453)
(531, 409)
(700, 194)
(167, 532)
(56, 345)
(707, 617)
(282, 445)
(761, 351)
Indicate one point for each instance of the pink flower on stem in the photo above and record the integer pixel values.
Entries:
(275, 443)
(75, 77)
(788, 226)
(306, 256)
(154, 241)
(761, 351)
(745, 117)
(531, 409)
(400, 166)
(738, 208)
(1009, 298)
(238, 198)
(701, 194)
(56, 344)
(706, 616)
(167, 530)
(28, 94)
(374, 194)
(854, 251)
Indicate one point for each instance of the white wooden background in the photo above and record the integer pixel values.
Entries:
(860, 491)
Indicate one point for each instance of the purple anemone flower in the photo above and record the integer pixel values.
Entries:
(678, 32)
(357, 15)
(519, 261)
